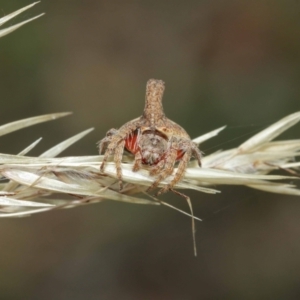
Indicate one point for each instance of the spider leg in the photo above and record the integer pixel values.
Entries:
(180, 171)
(106, 142)
(110, 133)
(102, 145)
(137, 162)
(118, 159)
(114, 137)
(196, 153)
(170, 160)
(107, 153)
(157, 168)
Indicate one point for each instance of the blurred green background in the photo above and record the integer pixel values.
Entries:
(224, 62)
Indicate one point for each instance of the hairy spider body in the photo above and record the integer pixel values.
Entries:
(150, 145)
(153, 139)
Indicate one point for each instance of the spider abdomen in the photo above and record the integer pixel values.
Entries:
(152, 146)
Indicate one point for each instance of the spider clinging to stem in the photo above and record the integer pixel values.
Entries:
(154, 140)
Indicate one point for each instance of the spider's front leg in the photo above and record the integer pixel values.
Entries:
(105, 141)
(118, 160)
(110, 142)
(116, 143)
(179, 173)
(196, 153)
(189, 148)
(169, 162)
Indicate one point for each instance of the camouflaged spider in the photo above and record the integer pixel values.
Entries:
(154, 140)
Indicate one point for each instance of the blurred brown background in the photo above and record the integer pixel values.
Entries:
(224, 62)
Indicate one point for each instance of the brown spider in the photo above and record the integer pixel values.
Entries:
(153, 139)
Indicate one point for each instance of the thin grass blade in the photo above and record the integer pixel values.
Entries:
(8, 201)
(30, 147)
(13, 126)
(15, 13)
(208, 135)
(269, 133)
(10, 29)
(54, 151)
